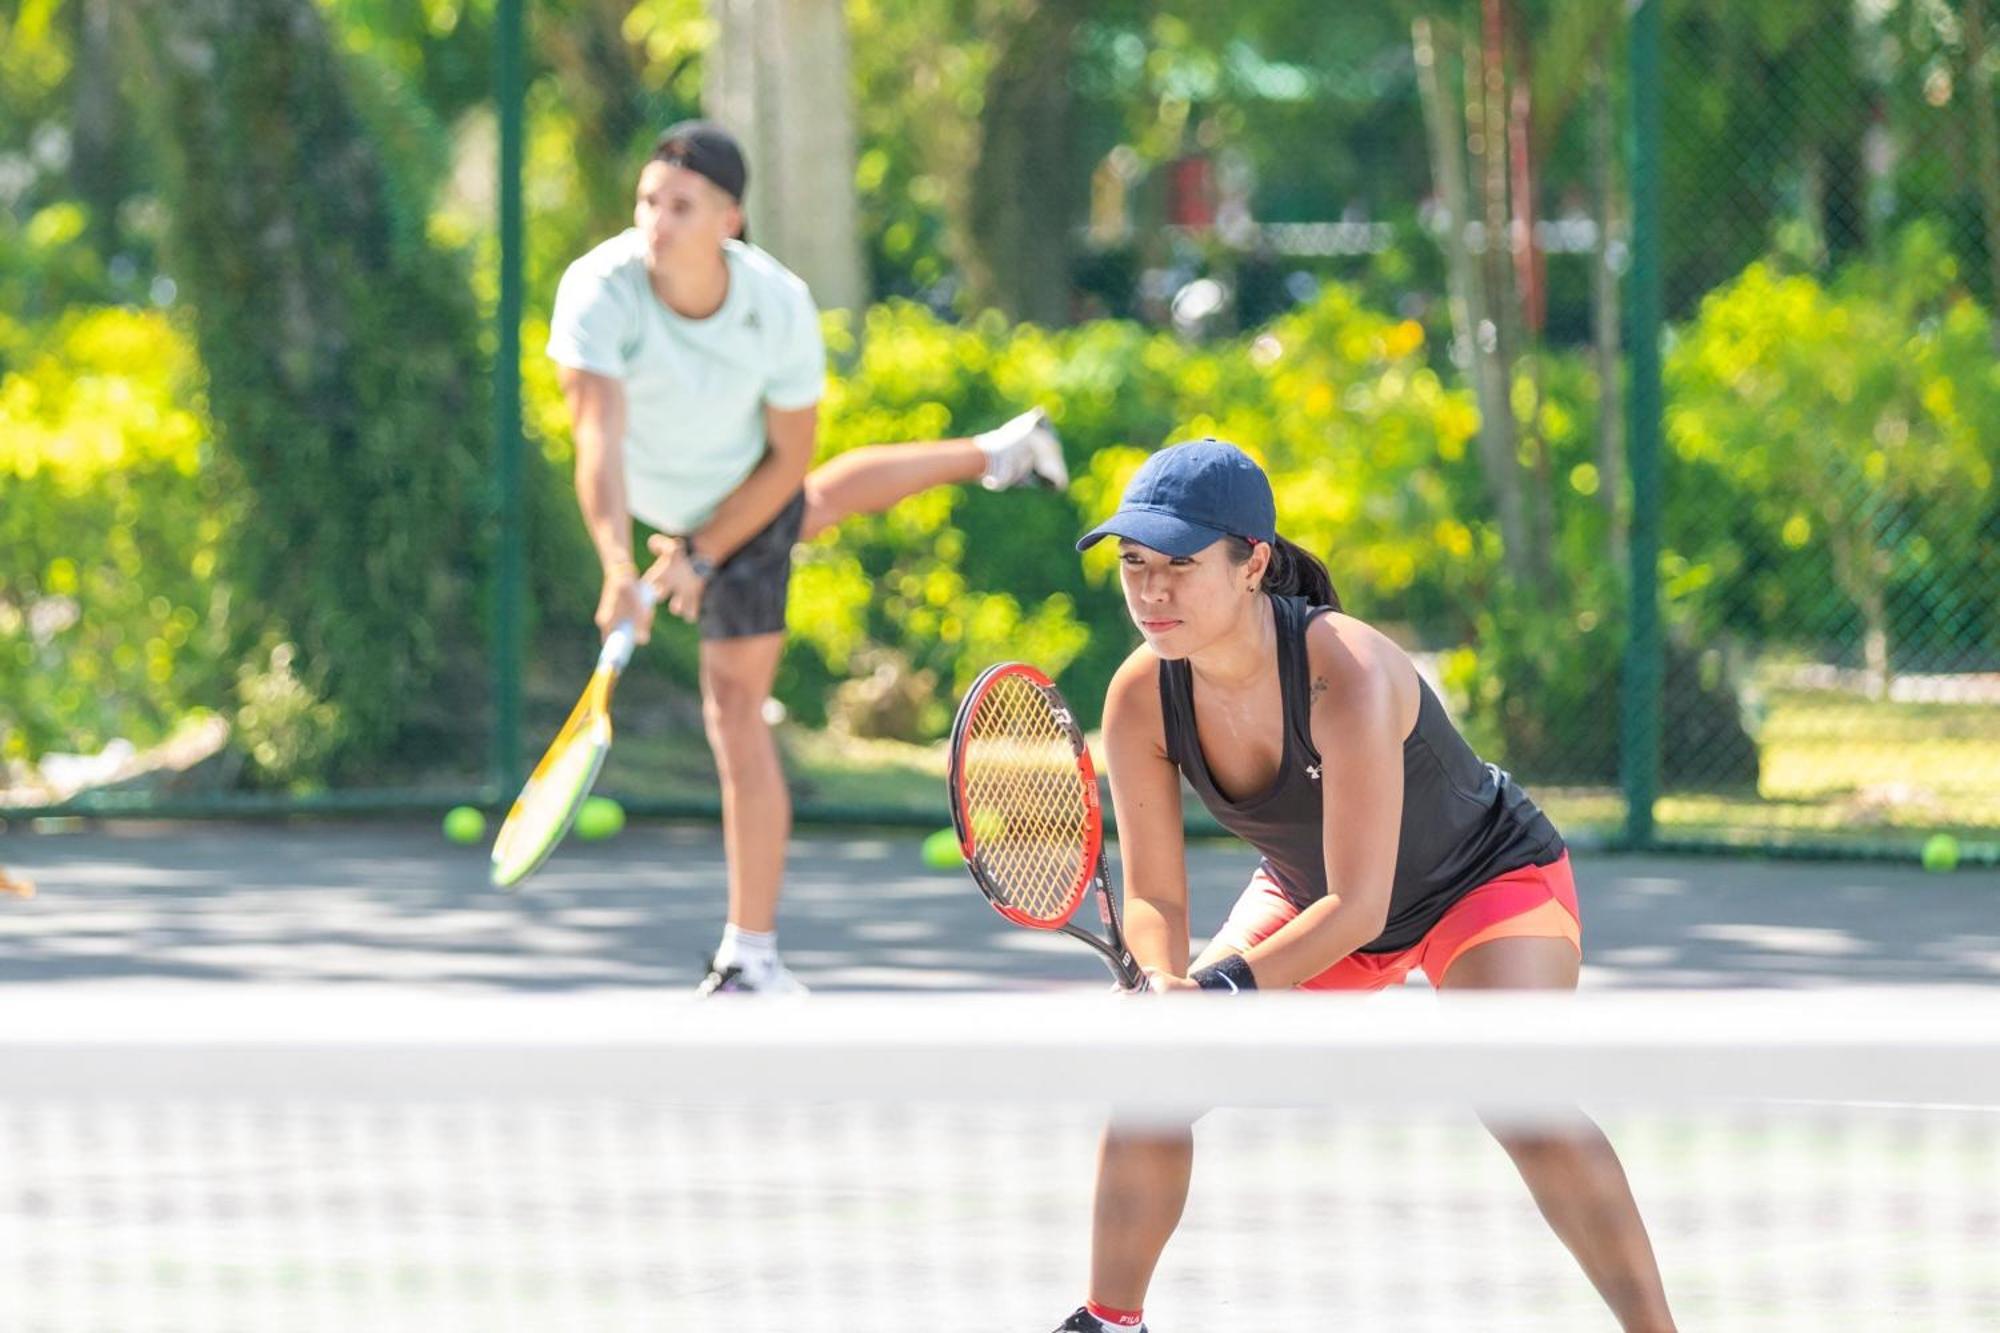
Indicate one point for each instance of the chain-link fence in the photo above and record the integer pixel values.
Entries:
(1719, 282)
(1829, 572)
(1439, 330)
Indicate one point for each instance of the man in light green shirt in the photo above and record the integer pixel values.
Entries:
(692, 365)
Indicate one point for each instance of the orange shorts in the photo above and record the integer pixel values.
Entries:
(1534, 901)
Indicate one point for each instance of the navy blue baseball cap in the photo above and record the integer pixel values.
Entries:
(1190, 495)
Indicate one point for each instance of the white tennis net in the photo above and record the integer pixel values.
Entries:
(1803, 1161)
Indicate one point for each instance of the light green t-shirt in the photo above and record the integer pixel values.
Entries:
(695, 389)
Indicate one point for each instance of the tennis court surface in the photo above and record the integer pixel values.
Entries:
(320, 1077)
(136, 906)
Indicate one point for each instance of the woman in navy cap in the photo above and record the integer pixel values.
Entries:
(1386, 844)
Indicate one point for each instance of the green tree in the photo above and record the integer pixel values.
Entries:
(338, 345)
(1852, 423)
(1500, 80)
(1025, 190)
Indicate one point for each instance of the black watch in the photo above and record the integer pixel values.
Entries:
(703, 567)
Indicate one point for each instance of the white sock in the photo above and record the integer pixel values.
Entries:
(751, 950)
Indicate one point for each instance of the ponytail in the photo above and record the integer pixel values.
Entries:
(1297, 572)
(1293, 572)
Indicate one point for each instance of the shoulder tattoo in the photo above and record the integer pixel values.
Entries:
(1318, 689)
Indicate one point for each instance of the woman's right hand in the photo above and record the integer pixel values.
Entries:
(620, 601)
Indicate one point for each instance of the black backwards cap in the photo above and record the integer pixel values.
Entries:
(708, 150)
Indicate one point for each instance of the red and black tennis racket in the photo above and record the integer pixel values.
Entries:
(1024, 803)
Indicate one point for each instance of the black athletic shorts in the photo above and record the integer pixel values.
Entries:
(746, 594)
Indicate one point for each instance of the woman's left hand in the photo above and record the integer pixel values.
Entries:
(1166, 981)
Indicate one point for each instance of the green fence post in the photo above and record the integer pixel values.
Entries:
(507, 412)
(1639, 752)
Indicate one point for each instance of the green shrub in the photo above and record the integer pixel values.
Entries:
(1366, 444)
(112, 622)
(1541, 691)
(1536, 683)
(1835, 447)
(1369, 447)
(1540, 684)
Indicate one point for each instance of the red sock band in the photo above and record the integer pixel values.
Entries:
(1111, 1318)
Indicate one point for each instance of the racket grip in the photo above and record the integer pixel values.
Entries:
(618, 644)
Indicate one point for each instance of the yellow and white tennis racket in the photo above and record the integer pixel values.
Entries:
(556, 789)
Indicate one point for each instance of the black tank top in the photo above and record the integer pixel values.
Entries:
(1464, 822)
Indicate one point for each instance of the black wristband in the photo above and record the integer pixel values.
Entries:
(1232, 974)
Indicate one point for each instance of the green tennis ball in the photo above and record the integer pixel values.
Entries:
(1941, 853)
(941, 850)
(600, 817)
(463, 823)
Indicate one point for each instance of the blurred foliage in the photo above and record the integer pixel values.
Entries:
(42, 266)
(335, 338)
(609, 76)
(112, 621)
(1832, 500)
(1366, 444)
(1368, 447)
(920, 70)
(44, 269)
(1821, 130)
(282, 727)
(290, 455)
(1260, 80)
(1853, 424)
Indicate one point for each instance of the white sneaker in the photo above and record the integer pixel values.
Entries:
(774, 979)
(1025, 448)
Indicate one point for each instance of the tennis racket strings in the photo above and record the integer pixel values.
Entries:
(1027, 808)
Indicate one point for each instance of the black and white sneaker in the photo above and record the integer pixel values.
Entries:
(1083, 1321)
(1024, 449)
(776, 979)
